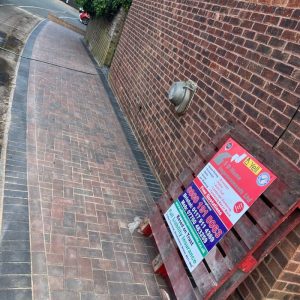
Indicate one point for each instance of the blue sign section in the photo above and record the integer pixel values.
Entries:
(204, 219)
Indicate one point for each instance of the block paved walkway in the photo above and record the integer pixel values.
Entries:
(83, 182)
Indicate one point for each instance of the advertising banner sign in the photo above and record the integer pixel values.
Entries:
(217, 198)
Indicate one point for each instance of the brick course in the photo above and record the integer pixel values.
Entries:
(278, 276)
(244, 57)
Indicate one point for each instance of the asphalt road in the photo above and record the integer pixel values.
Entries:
(41, 8)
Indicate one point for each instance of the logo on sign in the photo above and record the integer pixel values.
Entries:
(263, 179)
(238, 158)
(228, 146)
(252, 166)
(238, 207)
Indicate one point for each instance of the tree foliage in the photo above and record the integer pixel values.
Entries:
(103, 8)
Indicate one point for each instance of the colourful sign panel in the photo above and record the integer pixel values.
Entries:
(217, 198)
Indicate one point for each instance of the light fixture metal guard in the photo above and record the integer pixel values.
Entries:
(181, 93)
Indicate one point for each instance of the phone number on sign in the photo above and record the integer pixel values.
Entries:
(200, 216)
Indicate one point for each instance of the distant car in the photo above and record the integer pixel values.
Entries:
(84, 17)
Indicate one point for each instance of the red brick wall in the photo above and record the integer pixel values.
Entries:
(245, 58)
(278, 276)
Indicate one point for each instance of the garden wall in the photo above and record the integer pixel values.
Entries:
(245, 58)
(102, 36)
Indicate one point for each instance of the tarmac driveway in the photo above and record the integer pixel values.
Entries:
(42, 8)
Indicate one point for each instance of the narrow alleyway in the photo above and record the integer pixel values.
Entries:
(83, 181)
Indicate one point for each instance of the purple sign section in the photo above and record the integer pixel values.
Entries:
(204, 219)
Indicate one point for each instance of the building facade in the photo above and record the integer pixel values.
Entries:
(244, 57)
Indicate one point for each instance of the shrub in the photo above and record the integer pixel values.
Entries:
(103, 8)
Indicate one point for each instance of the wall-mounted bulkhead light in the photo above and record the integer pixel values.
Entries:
(181, 93)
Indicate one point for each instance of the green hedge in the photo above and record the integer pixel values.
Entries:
(103, 8)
